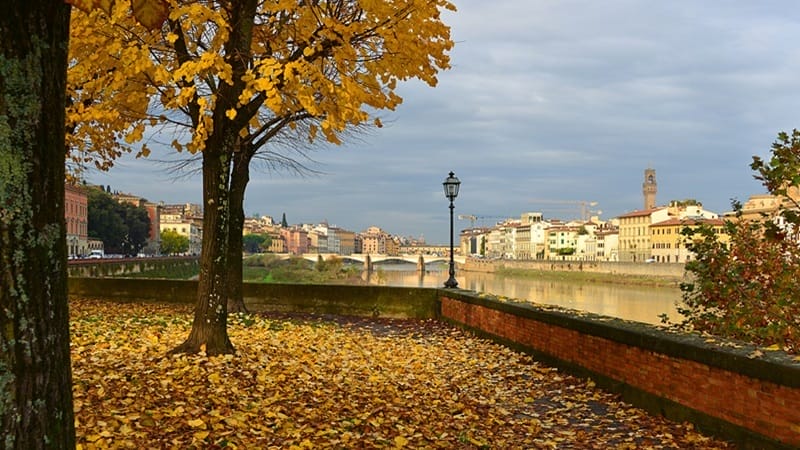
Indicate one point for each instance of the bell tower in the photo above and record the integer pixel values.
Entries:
(649, 188)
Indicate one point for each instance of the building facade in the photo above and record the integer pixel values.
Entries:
(76, 217)
(669, 244)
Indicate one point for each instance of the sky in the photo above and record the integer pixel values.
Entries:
(549, 103)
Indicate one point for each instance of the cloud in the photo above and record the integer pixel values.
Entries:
(567, 100)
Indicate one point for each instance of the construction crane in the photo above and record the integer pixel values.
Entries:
(473, 218)
(583, 204)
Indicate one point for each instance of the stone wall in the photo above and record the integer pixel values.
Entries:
(722, 389)
(377, 301)
(120, 267)
(666, 270)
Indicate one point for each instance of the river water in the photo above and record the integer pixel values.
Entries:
(639, 303)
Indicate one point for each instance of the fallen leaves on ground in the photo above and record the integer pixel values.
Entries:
(300, 382)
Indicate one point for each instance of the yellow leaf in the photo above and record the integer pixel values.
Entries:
(196, 423)
(773, 348)
(200, 435)
(400, 442)
(150, 13)
(231, 113)
(214, 378)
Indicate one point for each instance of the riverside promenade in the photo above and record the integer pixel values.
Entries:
(730, 390)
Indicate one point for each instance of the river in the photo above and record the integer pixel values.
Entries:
(631, 302)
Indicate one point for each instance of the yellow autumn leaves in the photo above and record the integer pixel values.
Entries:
(330, 64)
(301, 382)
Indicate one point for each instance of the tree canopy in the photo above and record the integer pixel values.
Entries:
(123, 228)
(173, 243)
(226, 78)
(256, 242)
(748, 289)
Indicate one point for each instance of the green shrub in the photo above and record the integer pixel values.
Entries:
(750, 289)
(747, 290)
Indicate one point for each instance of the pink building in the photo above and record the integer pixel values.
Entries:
(76, 218)
(296, 240)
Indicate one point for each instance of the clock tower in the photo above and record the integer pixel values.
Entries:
(649, 188)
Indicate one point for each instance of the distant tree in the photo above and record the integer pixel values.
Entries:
(123, 228)
(137, 222)
(284, 223)
(173, 243)
(255, 242)
(105, 221)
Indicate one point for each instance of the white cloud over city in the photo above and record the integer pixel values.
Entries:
(560, 100)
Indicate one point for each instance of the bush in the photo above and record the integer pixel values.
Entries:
(749, 290)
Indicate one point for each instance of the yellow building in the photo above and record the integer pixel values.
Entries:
(634, 233)
(669, 245)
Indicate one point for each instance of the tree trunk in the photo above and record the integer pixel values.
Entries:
(210, 327)
(35, 373)
(239, 179)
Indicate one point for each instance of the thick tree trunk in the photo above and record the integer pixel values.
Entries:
(35, 374)
(210, 327)
(239, 179)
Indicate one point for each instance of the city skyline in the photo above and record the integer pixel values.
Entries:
(568, 100)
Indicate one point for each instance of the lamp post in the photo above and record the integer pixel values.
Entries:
(451, 185)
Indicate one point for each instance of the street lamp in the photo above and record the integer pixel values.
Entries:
(451, 185)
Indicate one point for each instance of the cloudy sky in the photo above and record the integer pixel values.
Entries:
(552, 101)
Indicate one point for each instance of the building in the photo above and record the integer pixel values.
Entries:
(634, 233)
(76, 218)
(562, 240)
(649, 188)
(473, 241)
(296, 240)
(344, 240)
(187, 228)
(670, 245)
(607, 243)
(634, 228)
(373, 241)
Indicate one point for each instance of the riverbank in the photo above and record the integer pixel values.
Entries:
(590, 277)
(629, 273)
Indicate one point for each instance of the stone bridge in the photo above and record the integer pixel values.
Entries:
(370, 259)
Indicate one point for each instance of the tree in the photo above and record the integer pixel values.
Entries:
(123, 228)
(173, 243)
(35, 376)
(137, 222)
(748, 289)
(255, 242)
(284, 223)
(243, 72)
(35, 373)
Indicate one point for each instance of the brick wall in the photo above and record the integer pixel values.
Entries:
(755, 401)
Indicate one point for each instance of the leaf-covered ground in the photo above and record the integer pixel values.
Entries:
(332, 382)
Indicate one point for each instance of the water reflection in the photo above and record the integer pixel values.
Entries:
(640, 303)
